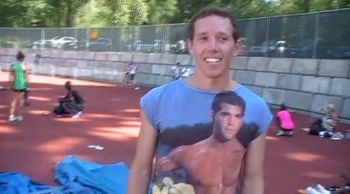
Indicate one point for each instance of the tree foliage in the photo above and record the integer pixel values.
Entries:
(102, 13)
(93, 14)
(120, 13)
(39, 13)
(162, 11)
(138, 12)
(105, 13)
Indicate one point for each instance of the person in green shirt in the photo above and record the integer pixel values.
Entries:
(19, 81)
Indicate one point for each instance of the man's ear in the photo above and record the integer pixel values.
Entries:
(189, 46)
(212, 115)
(237, 50)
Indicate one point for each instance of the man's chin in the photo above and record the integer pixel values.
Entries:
(214, 75)
(226, 138)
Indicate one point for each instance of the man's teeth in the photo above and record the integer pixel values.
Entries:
(212, 60)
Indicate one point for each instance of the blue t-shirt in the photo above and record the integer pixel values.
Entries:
(182, 116)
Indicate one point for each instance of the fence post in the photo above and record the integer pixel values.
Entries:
(42, 45)
(317, 23)
(267, 36)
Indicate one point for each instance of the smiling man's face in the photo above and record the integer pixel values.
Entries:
(213, 46)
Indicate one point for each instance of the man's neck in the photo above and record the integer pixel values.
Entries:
(214, 143)
(221, 83)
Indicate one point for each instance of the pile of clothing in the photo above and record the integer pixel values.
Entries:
(73, 176)
(319, 189)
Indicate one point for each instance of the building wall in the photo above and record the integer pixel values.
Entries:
(304, 85)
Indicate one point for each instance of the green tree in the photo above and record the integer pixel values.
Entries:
(93, 14)
(102, 13)
(304, 6)
(68, 9)
(138, 13)
(121, 16)
(241, 8)
(162, 11)
(113, 13)
(40, 13)
(10, 10)
(251, 8)
(329, 4)
(186, 8)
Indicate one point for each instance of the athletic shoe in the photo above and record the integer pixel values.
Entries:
(77, 115)
(322, 190)
(311, 190)
(337, 136)
(19, 118)
(12, 118)
(280, 133)
(289, 133)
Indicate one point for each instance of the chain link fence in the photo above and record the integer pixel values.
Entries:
(322, 35)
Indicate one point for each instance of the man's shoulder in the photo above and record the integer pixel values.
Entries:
(13, 65)
(185, 150)
(75, 92)
(253, 100)
(249, 95)
(257, 110)
(163, 90)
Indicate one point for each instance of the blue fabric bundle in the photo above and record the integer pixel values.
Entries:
(75, 176)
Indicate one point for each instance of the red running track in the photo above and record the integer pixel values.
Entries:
(111, 120)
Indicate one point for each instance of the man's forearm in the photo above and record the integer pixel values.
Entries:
(253, 186)
(27, 78)
(137, 182)
(10, 79)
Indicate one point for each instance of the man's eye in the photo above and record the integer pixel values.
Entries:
(203, 38)
(223, 38)
(224, 113)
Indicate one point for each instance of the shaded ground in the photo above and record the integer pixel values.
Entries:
(304, 160)
(111, 120)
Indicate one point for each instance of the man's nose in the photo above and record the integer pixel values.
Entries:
(213, 44)
(231, 120)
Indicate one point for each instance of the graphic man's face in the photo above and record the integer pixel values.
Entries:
(213, 46)
(227, 121)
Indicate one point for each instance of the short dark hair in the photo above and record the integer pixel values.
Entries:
(209, 11)
(20, 56)
(228, 97)
(68, 85)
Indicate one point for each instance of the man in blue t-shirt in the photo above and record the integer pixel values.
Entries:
(179, 114)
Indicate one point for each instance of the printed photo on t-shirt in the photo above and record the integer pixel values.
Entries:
(205, 158)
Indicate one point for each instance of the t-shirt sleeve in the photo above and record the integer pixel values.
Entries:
(25, 66)
(262, 118)
(149, 105)
(265, 117)
(257, 111)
